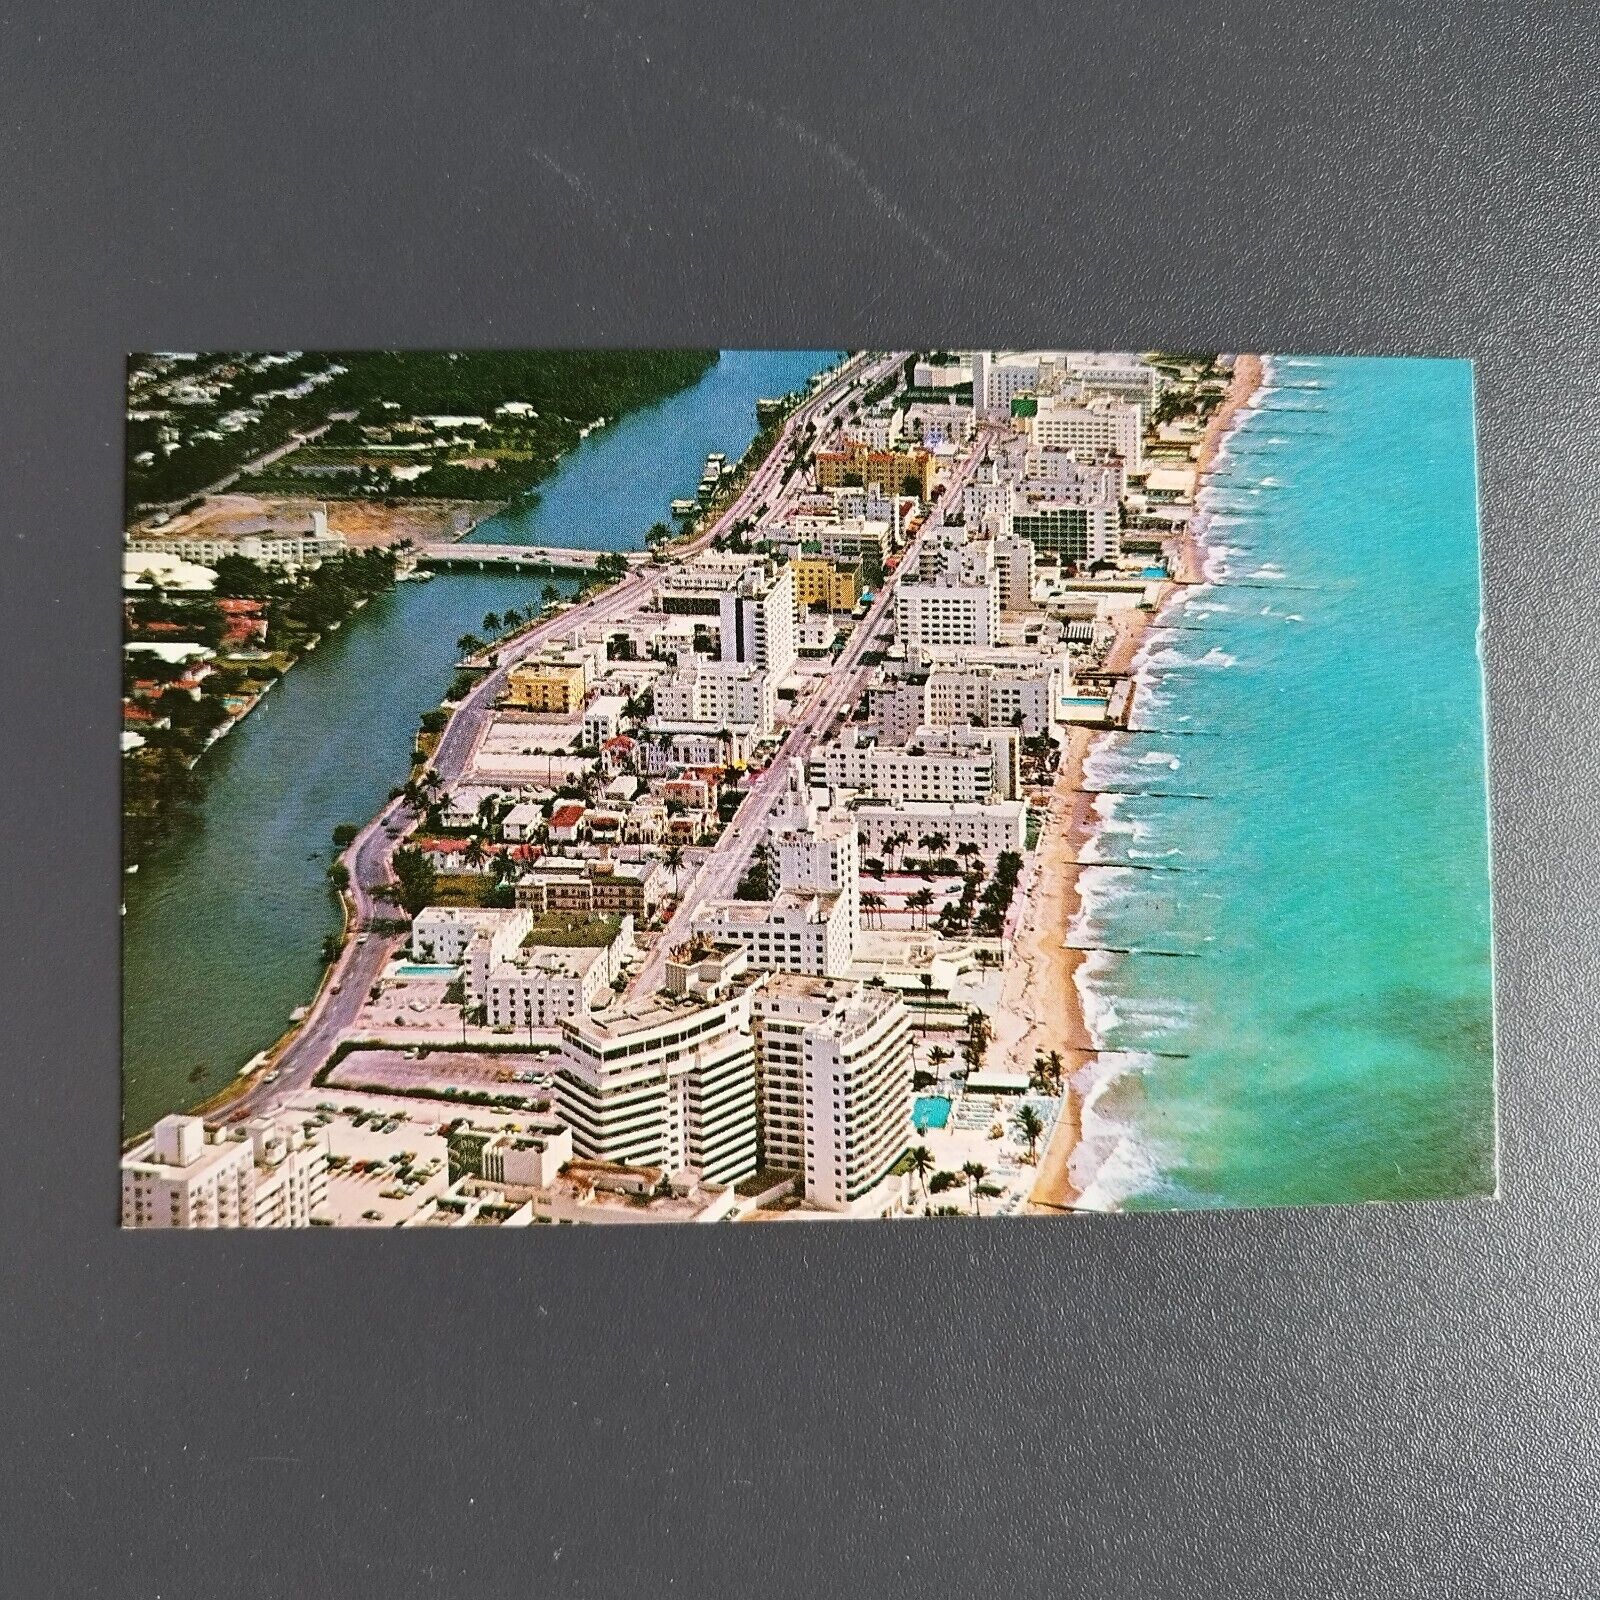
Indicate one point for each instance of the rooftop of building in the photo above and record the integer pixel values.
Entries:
(575, 931)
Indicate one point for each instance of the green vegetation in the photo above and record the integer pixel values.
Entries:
(159, 788)
(566, 389)
(416, 879)
(756, 884)
(576, 930)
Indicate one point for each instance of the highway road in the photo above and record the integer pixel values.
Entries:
(348, 982)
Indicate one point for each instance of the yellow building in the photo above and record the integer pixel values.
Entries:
(546, 686)
(819, 578)
(893, 471)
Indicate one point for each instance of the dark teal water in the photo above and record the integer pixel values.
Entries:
(623, 477)
(224, 922)
(1328, 1035)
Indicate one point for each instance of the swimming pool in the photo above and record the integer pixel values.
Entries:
(416, 970)
(930, 1111)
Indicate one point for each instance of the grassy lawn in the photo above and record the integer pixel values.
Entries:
(572, 929)
(462, 889)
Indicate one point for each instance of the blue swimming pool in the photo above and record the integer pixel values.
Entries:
(417, 970)
(930, 1111)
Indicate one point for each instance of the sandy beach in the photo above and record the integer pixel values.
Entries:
(1043, 965)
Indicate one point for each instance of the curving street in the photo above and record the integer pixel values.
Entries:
(332, 1013)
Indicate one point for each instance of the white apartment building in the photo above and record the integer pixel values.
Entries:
(1073, 475)
(834, 1068)
(442, 934)
(947, 611)
(1119, 377)
(267, 547)
(522, 981)
(796, 931)
(937, 427)
(663, 1085)
(757, 621)
(999, 377)
(1093, 425)
(988, 694)
(941, 375)
(878, 429)
(272, 1173)
(718, 694)
(993, 828)
(602, 719)
(962, 740)
(894, 772)
(898, 707)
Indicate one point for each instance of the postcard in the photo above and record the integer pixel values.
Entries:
(634, 786)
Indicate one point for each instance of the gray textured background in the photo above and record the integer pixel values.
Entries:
(1359, 1402)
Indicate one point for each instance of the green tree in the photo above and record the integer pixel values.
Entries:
(674, 863)
(975, 1172)
(1030, 1125)
(922, 1164)
(415, 879)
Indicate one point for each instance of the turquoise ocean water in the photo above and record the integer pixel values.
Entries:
(1309, 771)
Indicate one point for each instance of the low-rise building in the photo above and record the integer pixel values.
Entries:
(530, 1158)
(860, 762)
(823, 581)
(548, 684)
(634, 888)
(552, 967)
(442, 934)
(893, 471)
(991, 829)
(602, 719)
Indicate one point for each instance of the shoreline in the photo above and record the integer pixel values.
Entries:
(249, 1077)
(1054, 1189)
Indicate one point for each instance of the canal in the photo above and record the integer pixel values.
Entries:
(224, 921)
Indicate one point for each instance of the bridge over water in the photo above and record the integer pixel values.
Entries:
(531, 557)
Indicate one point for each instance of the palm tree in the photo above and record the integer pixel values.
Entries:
(512, 619)
(922, 1163)
(975, 1172)
(674, 860)
(921, 901)
(979, 1030)
(938, 1055)
(491, 622)
(1030, 1125)
(872, 905)
(926, 979)
(476, 852)
(548, 596)
(469, 644)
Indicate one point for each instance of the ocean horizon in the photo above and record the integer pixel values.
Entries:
(1309, 1019)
